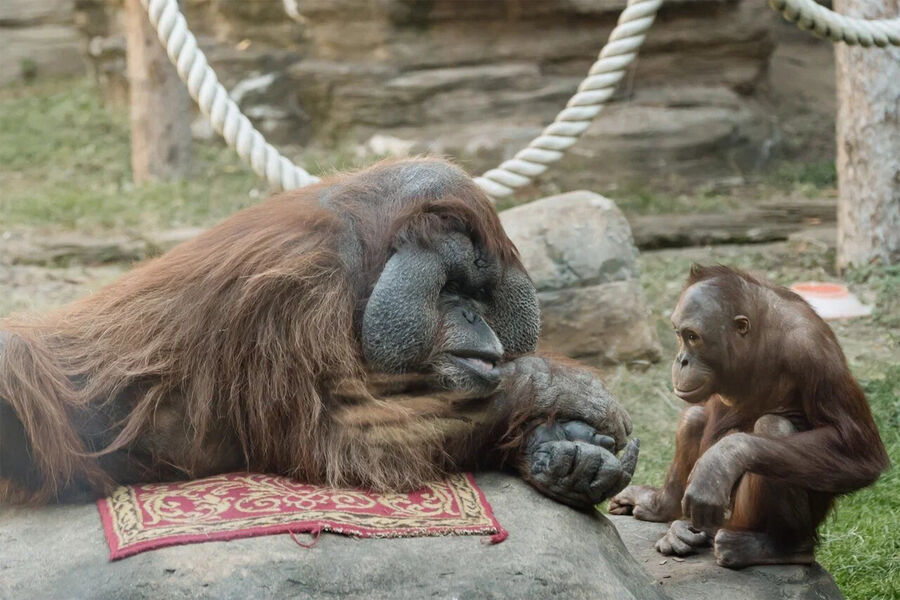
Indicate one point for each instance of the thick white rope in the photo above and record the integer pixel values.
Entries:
(827, 23)
(214, 102)
(624, 43)
(596, 89)
(548, 148)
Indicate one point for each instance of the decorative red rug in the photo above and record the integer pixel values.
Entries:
(237, 505)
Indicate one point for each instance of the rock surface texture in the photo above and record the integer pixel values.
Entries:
(699, 578)
(38, 39)
(707, 97)
(552, 552)
(578, 249)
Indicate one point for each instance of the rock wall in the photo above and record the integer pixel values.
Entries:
(477, 80)
(38, 38)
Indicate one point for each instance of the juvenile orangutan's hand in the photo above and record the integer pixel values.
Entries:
(707, 498)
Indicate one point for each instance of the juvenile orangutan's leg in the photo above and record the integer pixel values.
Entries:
(771, 523)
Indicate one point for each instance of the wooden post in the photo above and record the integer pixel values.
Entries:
(160, 104)
(868, 144)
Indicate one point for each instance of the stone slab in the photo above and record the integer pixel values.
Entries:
(698, 577)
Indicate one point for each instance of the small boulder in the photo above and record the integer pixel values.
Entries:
(578, 249)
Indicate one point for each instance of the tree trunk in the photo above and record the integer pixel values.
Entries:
(868, 144)
(160, 104)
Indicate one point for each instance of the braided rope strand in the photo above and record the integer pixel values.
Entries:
(549, 147)
(808, 15)
(596, 89)
(214, 101)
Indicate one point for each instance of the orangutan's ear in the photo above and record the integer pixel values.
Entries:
(742, 324)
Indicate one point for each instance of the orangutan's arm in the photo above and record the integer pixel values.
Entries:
(553, 420)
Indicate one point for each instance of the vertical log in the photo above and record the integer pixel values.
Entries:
(868, 144)
(160, 104)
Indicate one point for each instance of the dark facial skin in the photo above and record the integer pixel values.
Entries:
(451, 310)
(705, 328)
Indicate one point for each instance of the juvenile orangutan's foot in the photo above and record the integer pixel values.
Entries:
(645, 503)
(739, 549)
(681, 539)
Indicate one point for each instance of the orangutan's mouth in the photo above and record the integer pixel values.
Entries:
(692, 395)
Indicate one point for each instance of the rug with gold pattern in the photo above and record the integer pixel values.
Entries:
(236, 505)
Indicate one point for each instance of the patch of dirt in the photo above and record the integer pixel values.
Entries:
(35, 288)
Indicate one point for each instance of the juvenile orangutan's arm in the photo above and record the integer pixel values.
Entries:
(818, 459)
(662, 505)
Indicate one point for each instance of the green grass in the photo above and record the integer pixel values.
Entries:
(642, 199)
(64, 160)
(860, 543)
(821, 174)
(638, 199)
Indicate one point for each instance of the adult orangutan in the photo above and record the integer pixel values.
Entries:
(373, 330)
(777, 428)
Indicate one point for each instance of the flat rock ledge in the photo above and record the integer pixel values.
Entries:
(698, 577)
(552, 552)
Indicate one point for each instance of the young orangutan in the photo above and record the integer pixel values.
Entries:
(777, 425)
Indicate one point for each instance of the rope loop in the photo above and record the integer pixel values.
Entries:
(808, 15)
(549, 147)
(597, 88)
(214, 101)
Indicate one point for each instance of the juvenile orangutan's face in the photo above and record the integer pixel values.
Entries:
(706, 330)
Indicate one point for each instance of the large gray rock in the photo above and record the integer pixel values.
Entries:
(698, 577)
(552, 552)
(577, 247)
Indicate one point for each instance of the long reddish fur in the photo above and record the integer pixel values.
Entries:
(248, 328)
